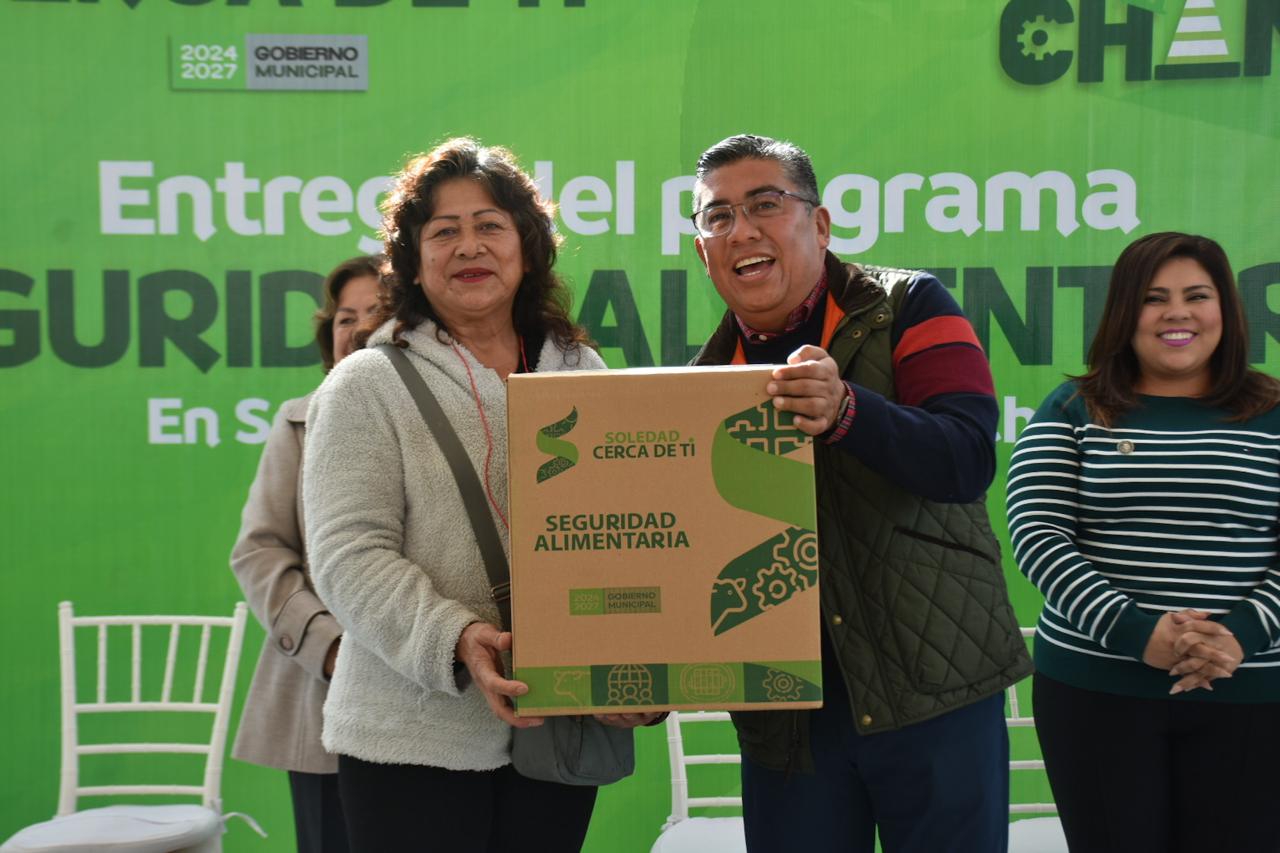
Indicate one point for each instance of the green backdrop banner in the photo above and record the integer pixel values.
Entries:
(179, 174)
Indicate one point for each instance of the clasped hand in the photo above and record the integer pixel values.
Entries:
(1189, 645)
(480, 649)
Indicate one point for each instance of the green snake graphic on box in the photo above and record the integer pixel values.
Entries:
(563, 453)
(750, 448)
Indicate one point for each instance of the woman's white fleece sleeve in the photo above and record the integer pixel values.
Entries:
(354, 494)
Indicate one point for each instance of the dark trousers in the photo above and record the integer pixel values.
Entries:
(1160, 775)
(941, 786)
(317, 813)
(407, 807)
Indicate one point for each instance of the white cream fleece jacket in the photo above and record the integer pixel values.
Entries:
(393, 554)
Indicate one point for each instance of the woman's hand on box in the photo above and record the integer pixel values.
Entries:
(480, 649)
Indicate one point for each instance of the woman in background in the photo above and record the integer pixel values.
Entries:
(280, 726)
(1143, 502)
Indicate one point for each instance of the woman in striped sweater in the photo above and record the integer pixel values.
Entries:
(1143, 502)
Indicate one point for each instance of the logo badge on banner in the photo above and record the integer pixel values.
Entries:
(309, 63)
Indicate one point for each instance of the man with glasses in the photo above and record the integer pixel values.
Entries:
(881, 367)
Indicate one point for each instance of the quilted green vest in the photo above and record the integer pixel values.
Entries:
(913, 596)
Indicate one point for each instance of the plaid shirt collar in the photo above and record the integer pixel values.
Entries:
(795, 319)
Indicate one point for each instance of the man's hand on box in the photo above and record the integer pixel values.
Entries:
(630, 721)
(480, 649)
(809, 387)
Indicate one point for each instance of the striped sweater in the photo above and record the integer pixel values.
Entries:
(1171, 508)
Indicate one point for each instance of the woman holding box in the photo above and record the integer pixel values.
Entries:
(1143, 502)
(424, 756)
(280, 726)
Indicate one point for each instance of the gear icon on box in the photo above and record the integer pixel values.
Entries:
(774, 585)
(799, 549)
(1039, 37)
(782, 686)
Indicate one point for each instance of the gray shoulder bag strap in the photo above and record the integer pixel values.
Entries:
(495, 559)
(568, 750)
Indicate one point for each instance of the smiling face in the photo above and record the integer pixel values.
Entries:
(763, 268)
(357, 301)
(1178, 330)
(471, 263)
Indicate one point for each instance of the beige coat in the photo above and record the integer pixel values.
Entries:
(281, 723)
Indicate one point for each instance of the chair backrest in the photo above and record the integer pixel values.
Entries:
(1018, 716)
(681, 760)
(164, 699)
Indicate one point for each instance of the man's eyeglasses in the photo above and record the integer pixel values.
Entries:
(717, 220)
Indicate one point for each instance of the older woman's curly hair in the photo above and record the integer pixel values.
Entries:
(542, 301)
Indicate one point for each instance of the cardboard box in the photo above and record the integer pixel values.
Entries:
(664, 547)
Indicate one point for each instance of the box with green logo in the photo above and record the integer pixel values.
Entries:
(664, 548)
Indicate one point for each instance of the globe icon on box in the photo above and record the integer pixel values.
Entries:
(630, 684)
(707, 682)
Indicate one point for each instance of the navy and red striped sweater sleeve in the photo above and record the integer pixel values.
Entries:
(937, 440)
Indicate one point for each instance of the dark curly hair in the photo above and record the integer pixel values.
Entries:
(542, 301)
(332, 290)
